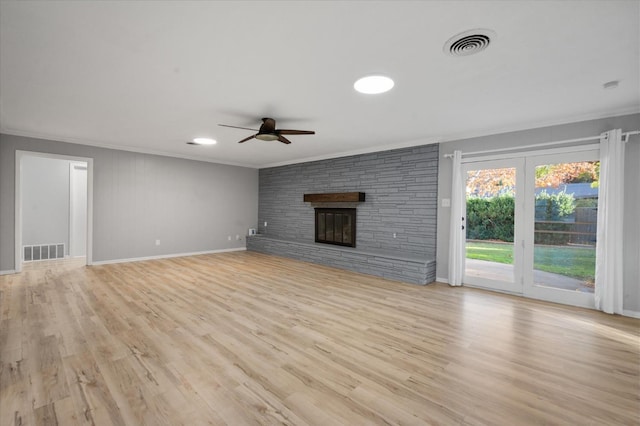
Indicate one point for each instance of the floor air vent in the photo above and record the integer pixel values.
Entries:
(43, 252)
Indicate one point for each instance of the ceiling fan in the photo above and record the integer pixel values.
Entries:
(268, 132)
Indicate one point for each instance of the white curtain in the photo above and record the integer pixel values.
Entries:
(609, 268)
(456, 233)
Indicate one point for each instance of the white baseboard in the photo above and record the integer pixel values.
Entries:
(8, 272)
(165, 256)
(442, 280)
(632, 314)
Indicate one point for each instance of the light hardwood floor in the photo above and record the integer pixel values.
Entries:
(244, 338)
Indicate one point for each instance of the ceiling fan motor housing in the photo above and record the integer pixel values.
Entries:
(267, 130)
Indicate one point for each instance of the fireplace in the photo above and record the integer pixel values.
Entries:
(335, 217)
(336, 226)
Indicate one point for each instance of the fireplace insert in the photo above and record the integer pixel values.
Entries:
(336, 226)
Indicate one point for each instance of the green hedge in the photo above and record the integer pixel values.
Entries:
(492, 218)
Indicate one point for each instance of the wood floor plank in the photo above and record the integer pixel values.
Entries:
(93, 400)
(244, 338)
(15, 394)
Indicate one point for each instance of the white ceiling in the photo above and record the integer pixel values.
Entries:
(149, 76)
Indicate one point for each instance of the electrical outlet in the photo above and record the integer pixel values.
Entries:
(265, 223)
(157, 242)
(229, 238)
(394, 235)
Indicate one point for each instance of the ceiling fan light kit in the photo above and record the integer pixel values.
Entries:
(267, 137)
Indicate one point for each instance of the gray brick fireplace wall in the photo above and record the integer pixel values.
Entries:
(401, 198)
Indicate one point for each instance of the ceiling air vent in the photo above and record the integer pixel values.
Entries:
(468, 42)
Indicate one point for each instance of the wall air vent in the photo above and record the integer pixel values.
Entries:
(43, 252)
(469, 42)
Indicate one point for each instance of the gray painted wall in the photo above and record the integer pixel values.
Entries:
(400, 187)
(45, 201)
(632, 223)
(190, 206)
(550, 134)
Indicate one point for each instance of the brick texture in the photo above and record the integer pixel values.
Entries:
(401, 198)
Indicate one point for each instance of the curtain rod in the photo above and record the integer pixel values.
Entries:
(627, 134)
(538, 145)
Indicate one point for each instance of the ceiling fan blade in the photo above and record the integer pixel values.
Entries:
(283, 139)
(295, 132)
(236, 127)
(246, 139)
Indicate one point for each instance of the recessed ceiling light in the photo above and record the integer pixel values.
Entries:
(202, 141)
(611, 84)
(373, 84)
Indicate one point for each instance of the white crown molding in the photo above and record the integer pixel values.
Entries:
(368, 150)
(540, 124)
(66, 139)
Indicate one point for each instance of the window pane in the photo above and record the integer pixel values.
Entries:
(566, 210)
(490, 225)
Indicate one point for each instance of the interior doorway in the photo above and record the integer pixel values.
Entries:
(53, 201)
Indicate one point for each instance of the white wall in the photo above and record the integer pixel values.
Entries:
(45, 201)
(551, 134)
(190, 206)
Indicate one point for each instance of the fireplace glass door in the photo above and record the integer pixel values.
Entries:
(336, 226)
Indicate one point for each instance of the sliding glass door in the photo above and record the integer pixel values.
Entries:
(531, 225)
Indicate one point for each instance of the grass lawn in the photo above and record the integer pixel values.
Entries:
(576, 262)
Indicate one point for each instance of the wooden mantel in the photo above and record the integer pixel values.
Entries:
(336, 197)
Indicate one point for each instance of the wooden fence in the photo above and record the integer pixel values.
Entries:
(581, 230)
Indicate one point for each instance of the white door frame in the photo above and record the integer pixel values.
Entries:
(514, 286)
(567, 297)
(523, 253)
(73, 204)
(18, 202)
